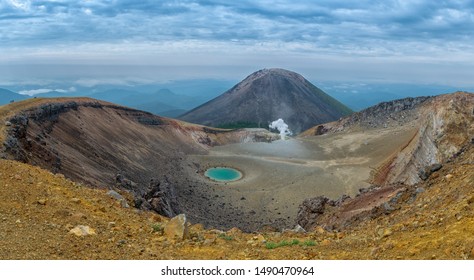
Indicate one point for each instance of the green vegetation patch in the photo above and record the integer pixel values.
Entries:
(309, 243)
(225, 237)
(157, 228)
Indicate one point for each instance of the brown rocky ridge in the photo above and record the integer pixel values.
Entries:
(445, 128)
(108, 146)
(39, 210)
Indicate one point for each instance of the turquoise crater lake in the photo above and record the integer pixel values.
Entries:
(223, 174)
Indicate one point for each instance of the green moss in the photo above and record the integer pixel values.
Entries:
(157, 228)
(225, 237)
(271, 245)
(309, 243)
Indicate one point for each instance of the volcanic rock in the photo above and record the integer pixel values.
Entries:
(115, 195)
(42, 201)
(299, 229)
(161, 198)
(309, 211)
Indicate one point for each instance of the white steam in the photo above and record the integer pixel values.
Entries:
(281, 126)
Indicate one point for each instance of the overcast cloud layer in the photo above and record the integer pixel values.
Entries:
(410, 41)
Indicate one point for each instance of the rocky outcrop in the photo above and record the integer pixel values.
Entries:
(16, 132)
(161, 198)
(310, 210)
(19, 144)
(427, 171)
(446, 125)
(396, 112)
(444, 128)
(384, 115)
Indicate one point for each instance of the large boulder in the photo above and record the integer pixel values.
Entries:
(177, 228)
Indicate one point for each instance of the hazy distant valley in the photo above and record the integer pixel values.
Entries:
(171, 99)
(176, 97)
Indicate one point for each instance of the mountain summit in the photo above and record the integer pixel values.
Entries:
(268, 95)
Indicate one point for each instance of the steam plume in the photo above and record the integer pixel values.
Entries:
(281, 126)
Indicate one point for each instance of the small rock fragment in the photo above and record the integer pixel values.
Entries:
(209, 241)
(235, 232)
(419, 190)
(124, 203)
(76, 200)
(42, 201)
(115, 195)
(78, 216)
(374, 252)
(320, 230)
(387, 207)
(118, 197)
(299, 229)
(470, 199)
(435, 167)
(325, 242)
(387, 232)
(384, 232)
(81, 230)
(259, 238)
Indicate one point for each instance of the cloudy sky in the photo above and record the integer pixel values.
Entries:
(89, 42)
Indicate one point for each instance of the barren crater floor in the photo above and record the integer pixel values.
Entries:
(281, 174)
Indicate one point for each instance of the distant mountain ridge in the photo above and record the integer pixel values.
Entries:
(268, 95)
(6, 96)
(163, 102)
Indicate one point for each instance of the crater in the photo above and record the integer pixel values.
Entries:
(223, 174)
